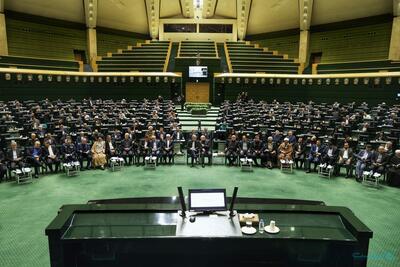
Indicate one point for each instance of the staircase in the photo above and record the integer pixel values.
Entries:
(189, 121)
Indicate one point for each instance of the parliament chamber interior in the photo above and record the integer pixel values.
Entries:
(199, 133)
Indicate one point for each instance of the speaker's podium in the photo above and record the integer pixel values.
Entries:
(159, 232)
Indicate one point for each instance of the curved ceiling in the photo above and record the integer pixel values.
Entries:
(265, 15)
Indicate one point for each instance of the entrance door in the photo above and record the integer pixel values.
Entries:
(198, 92)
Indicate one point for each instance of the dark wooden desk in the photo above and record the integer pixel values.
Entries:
(143, 233)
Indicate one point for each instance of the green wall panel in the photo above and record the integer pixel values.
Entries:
(368, 42)
(32, 39)
(319, 93)
(288, 44)
(109, 42)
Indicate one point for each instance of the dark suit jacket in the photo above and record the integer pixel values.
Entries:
(249, 145)
(45, 151)
(349, 152)
(10, 154)
(384, 159)
(164, 145)
(108, 149)
(190, 143)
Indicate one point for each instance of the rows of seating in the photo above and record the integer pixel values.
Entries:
(245, 57)
(357, 67)
(357, 125)
(18, 62)
(151, 56)
(204, 49)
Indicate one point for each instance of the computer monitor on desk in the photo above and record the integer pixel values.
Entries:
(207, 200)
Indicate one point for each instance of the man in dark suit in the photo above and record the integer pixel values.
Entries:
(69, 150)
(193, 149)
(205, 151)
(3, 167)
(15, 157)
(363, 161)
(127, 149)
(84, 153)
(51, 157)
(379, 160)
(257, 150)
(155, 147)
(244, 147)
(232, 150)
(346, 158)
(299, 153)
(167, 149)
(315, 155)
(111, 148)
(330, 155)
(34, 157)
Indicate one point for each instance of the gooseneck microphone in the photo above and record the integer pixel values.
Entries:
(182, 200)
(235, 190)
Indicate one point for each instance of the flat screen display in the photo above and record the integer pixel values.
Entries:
(207, 199)
(198, 71)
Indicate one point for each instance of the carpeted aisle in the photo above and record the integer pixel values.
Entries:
(26, 210)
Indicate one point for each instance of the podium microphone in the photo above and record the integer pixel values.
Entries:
(182, 200)
(235, 190)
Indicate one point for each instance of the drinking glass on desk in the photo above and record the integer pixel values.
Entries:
(261, 226)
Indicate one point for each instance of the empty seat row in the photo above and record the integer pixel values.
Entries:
(147, 57)
(39, 63)
(249, 58)
(357, 66)
(197, 49)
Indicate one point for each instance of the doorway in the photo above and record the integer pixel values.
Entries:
(198, 92)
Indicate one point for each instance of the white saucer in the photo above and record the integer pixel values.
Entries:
(270, 231)
(248, 230)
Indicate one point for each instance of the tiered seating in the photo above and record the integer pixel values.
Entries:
(249, 58)
(151, 56)
(39, 63)
(194, 49)
(357, 67)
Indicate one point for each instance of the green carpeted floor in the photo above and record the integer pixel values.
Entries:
(26, 210)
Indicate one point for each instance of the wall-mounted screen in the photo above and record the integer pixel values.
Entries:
(198, 71)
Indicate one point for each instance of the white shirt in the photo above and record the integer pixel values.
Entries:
(244, 146)
(14, 154)
(193, 144)
(111, 146)
(346, 154)
(51, 153)
(365, 156)
(167, 143)
(330, 152)
(154, 145)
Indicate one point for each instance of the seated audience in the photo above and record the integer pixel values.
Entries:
(269, 153)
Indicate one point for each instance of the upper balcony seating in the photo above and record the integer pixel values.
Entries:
(147, 57)
(39, 63)
(203, 49)
(249, 58)
(357, 67)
